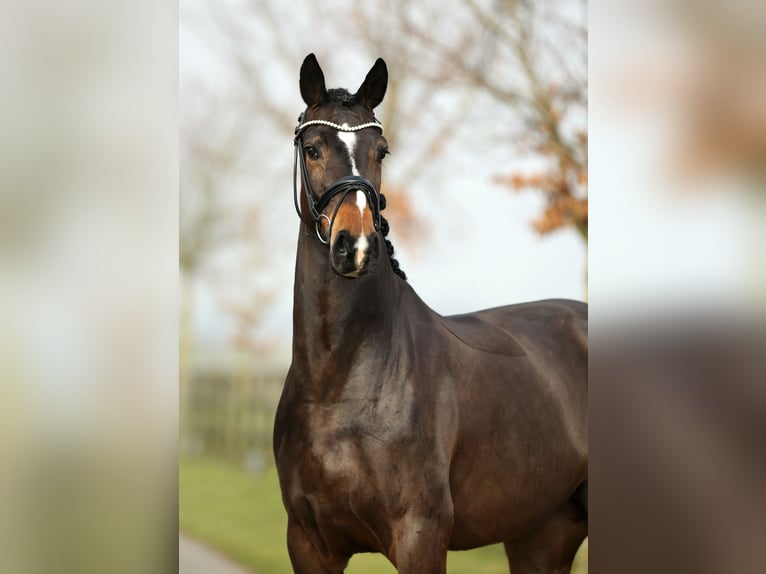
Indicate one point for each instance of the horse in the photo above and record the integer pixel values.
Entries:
(399, 430)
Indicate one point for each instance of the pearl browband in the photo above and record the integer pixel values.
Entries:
(376, 124)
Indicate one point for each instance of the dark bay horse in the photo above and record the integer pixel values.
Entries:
(401, 431)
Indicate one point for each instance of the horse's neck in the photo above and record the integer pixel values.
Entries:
(335, 320)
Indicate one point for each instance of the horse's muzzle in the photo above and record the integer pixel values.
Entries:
(352, 256)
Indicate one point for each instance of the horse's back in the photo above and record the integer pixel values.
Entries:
(526, 328)
(519, 318)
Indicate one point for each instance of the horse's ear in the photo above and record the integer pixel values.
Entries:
(372, 90)
(312, 82)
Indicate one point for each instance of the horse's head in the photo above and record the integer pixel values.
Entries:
(340, 148)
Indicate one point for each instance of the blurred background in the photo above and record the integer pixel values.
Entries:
(485, 116)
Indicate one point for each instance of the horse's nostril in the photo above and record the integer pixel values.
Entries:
(343, 244)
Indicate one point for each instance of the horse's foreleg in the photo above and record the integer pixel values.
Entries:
(420, 543)
(306, 558)
(551, 547)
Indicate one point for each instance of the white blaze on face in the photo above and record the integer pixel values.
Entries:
(361, 242)
(349, 138)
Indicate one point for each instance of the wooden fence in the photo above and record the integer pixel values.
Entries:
(227, 410)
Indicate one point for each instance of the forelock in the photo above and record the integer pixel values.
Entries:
(342, 97)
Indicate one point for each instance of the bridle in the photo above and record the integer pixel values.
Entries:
(344, 185)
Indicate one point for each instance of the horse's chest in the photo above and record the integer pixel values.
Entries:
(340, 470)
(334, 459)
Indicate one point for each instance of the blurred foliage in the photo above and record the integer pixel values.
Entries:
(527, 61)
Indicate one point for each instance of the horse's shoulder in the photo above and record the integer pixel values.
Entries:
(479, 334)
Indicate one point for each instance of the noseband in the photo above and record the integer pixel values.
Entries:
(344, 185)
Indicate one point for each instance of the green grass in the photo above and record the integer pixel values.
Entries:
(242, 516)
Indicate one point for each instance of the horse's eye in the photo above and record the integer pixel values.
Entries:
(383, 152)
(311, 152)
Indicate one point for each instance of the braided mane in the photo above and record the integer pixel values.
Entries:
(384, 229)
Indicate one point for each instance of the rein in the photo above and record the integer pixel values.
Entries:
(344, 185)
